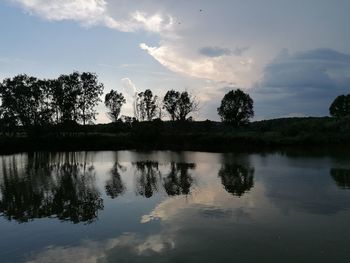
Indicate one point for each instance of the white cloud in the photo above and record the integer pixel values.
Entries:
(219, 69)
(129, 91)
(95, 12)
(128, 86)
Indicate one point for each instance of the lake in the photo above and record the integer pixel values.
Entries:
(166, 206)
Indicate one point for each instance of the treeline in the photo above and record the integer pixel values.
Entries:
(30, 102)
(68, 103)
(147, 107)
(72, 99)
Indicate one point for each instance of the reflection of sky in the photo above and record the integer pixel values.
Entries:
(294, 212)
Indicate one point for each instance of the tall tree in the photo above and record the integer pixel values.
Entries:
(65, 97)
(25, 101)
(75, 97)
(89, 96)
(146, 105)
(170, 103)
(187, 104)
(236, 108)
(340, 106)
(179, 105)
(114, 102)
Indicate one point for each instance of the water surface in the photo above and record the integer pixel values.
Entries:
(174, 207)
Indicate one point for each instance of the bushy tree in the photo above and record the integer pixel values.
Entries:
(170, 103)
(65, 97)
(25, 101)
(179, 105)
(114, 102)
(146, 105)
(75, 97)
(89, 96)
(340, 106)
(236, 108)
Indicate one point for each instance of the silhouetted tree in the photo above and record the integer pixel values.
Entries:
(179, 181)
(236, 108)
(89, 96)
(340, 106)
(170, 103)
(75, 97)
(25, 101)
(341, 177)
(236, 178)
(179, 105)
(114, 102)
(147, 176)
(114, 186)
(65, 97)
(146, 105)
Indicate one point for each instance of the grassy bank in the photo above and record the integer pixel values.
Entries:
(202, 136)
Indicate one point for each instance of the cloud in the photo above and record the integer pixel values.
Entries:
(95, 12)
(215, 51)
(304, 82)
(219, 69)
(129, 91)
(219, 51)
(128, 86)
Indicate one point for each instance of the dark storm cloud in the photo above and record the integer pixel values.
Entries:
(302, 83)
(219, 51)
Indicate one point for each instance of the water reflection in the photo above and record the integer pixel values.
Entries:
(285, 205)
(341, 177)
(236, 178)
(49, 185)
(147, 177)
(115, 186)
(179, 181)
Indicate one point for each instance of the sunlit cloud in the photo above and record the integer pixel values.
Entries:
(95, 12)
(219, 69)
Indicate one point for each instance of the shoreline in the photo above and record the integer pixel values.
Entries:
(209, 136)
(193, 142)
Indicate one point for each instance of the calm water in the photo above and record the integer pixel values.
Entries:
(174, 207)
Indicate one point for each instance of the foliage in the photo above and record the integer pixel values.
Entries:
(179, 105)
(236, 108)
(114, 102)
(30, 102)
(146, 106)
(340, 106)
(89, 96)
(75, 97)
(25, 101)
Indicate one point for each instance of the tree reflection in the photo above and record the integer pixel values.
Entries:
(236, 178)
(147, 176)
(341, 177)
(115, 186)
(47, 185)
(179, 181)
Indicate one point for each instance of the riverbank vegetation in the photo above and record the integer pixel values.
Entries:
(58, 114)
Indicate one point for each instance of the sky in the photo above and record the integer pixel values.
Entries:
(292, 57)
